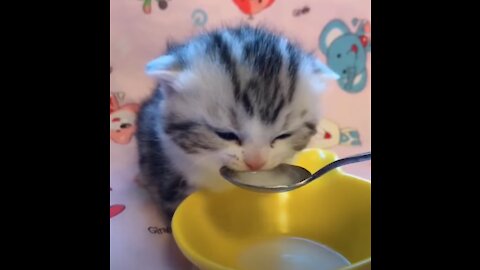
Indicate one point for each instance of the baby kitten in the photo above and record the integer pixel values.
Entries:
(241, 97)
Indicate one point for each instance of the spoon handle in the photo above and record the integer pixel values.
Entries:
(341, 162)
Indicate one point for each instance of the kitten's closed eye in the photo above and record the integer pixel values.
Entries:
(228, 136)
(283, 136)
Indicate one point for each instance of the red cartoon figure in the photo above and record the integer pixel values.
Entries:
(116, 209)
(122, 120)
(251, 7)
(331, 134)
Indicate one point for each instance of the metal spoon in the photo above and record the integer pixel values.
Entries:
(284, 177)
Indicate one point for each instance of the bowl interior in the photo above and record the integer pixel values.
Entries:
(213, 229)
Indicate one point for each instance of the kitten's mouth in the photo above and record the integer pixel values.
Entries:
(237, 169)
(249, 170)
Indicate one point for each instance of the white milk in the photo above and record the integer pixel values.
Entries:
(268, 179)
(290, 254)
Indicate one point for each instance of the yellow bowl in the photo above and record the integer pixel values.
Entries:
(213, 229)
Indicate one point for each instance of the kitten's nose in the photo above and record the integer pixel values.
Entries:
(255, 165)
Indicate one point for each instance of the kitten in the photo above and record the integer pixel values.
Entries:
(242, 97)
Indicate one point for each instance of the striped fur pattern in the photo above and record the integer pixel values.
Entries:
(227, 97)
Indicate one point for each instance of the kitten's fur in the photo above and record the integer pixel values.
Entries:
(224, 97)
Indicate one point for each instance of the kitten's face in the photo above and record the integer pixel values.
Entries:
(240, 97)
(207, 123)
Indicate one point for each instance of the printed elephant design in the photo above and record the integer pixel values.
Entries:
(346, 53)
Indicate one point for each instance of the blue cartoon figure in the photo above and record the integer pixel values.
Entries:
(346, 52)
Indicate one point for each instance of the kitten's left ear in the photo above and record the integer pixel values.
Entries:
(322, 75)
(165, 69)
(324, 71)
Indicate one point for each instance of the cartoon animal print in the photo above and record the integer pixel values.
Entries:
(346, 52)
(147, 5)
(116, 209)
(122, 120)
(301, 11)
(251, 7)
(199, 17)
(330, 135)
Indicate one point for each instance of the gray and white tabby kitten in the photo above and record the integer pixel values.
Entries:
(243, 97)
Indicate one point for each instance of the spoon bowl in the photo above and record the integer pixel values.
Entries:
(284, 177)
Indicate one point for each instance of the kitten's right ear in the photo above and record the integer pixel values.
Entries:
(165, 69)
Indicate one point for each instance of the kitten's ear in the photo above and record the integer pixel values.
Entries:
(324, 71)
(165, 69)
(322, 76)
